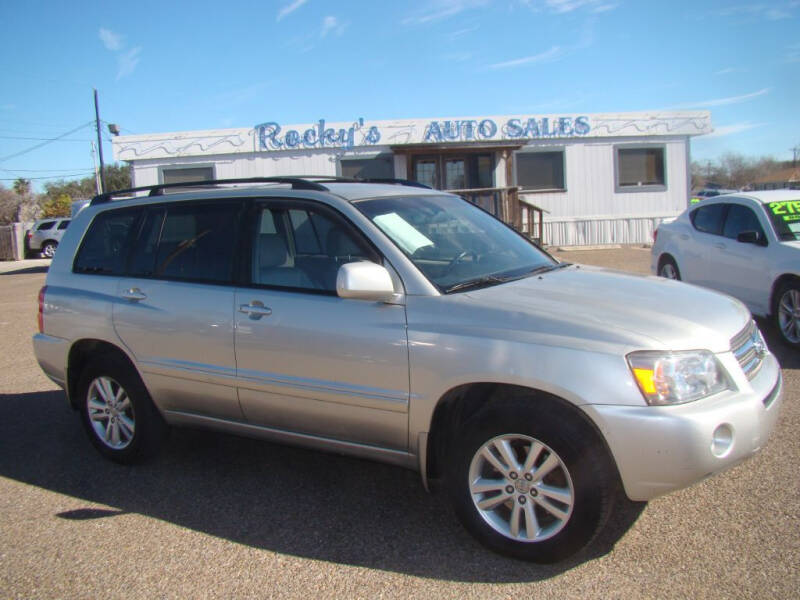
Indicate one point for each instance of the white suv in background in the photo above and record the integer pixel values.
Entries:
(746, 245)
(45, 235)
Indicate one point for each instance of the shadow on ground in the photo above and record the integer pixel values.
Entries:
(283, 499)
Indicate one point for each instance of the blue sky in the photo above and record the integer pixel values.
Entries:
(173, 66)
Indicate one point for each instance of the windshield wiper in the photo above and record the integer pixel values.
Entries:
(479, 282)
(548, 268)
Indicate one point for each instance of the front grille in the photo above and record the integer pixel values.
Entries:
(749, 349)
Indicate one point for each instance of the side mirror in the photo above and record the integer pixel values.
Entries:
(752, 237)
(364, 281)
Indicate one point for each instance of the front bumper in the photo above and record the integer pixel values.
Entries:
(659, 449)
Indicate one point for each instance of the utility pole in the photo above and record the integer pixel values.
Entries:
(99, 144)
(795, 153)
(96, 172)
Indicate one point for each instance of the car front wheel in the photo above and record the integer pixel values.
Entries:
(787, 313)
(530, 483)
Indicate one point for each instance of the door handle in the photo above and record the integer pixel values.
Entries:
(684, 236)
(134, 294)
(255, 310)
(720, 246)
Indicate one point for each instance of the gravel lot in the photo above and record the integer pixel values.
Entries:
(219, 516)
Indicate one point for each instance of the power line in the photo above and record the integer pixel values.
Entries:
(11, 137)
(49, 141)
(82, 174)
(43, 170)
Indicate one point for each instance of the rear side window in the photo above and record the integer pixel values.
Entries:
(708, 218)
(45, 225)
(196, 242)
(104, 247)
(63, 225)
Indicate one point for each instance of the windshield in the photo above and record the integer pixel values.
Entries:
(454, 243)
(785, 217)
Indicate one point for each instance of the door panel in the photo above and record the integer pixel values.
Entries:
(323, 365)
(308, 361)
(742, 270)
(181, 330)
(182, 337)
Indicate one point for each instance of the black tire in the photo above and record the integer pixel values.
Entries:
(49, 249)
(593, 478)
(149, 429)
(668, 268)
(786, 304)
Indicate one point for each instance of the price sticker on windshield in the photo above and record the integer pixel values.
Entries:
(787, 210)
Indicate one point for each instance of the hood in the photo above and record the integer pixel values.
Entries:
(584, 306)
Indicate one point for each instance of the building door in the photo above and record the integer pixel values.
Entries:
(451, 171)
(426, 171)
(455, 173)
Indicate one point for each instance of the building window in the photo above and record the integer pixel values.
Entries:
(640, 167)
(184, 174)
(375, 167)
(540, 170)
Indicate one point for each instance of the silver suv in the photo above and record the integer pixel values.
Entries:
(45, 235)
(405, 325)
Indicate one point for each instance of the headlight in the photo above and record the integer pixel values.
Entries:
(677, 377)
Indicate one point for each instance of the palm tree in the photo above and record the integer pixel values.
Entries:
(22, 187)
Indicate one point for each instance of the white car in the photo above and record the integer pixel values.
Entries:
(744, 244)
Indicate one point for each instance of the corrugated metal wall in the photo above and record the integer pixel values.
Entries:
(596, 232)
(589, 212)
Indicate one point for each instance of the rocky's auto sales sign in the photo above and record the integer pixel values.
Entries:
(273, 136)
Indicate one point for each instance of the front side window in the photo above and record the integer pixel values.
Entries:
(708, 218)
(740, 219)
(640, 167)
(63, 225)
(540, 170)
(104, 247)
(303, 248)
(453, 243)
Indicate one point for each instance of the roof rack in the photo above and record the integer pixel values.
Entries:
(298, 182)
(407, 182)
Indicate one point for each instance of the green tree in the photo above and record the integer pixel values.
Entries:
(118, 177)
(61, 206)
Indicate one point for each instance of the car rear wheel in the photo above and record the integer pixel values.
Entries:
(669, 269)
(529, 482)
(49, 249)
(117, 412)
(786, 313)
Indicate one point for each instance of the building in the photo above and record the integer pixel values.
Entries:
(788, 179)
(569, 179)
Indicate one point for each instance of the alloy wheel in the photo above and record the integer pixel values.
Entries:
(789, 315)
(521, 488)
(668, 271)
(110, 413)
